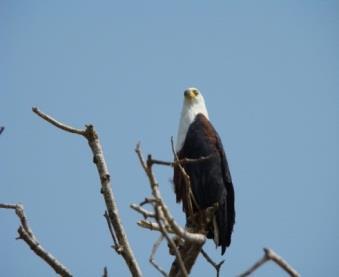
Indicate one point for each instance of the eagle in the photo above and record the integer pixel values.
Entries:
(199, 144)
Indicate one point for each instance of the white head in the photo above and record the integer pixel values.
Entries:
(194, 104)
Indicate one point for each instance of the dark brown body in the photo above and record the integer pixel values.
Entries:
(210, 178)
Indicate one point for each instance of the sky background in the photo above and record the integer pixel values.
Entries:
(269, 72)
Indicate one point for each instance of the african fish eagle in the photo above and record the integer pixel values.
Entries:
(210, 177)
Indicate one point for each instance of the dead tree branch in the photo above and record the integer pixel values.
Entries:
(190, 197)
(177, 229)
(116, 246)
(26, 234)
(186, 253)
(190, 252)
(153, 226)
(142, 211)
(160, 209)
(58, 124)
(152, 257)
(180, 161)
(217, 266)
(106, 188)
(269, 254)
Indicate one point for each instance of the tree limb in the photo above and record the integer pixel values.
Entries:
(180, 161)
(142, 211)
(172, 245)
(106, 188)
(193, 237)
(190, 252)
(190, 196)
(217, 266)
(154, 250)
(187, 253)
(26, 234)
(153, 226)
(160, 209)
(58, 124)
(269, 254)
(116, 246)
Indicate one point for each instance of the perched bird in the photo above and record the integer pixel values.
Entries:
(210, 178)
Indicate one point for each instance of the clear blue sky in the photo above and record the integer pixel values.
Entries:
(269, 71)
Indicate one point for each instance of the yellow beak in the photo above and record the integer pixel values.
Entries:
(189, 94)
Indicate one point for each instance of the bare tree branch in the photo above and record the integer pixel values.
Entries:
(160, 209)
(58, 124)
(217, 266)
(193, 237)
(269, 254)
(187, 253)
(142, 211)
(154, 250)
(159, 217)
(2, 128)
(190, 196)
(153, 226)
(180, 161)
(190, 252)
(148, 200)
(26, 234)
(116, 246)
(106, 188)
(19, 210)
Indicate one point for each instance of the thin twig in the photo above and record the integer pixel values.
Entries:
(193, 237)
(26, 234)
(255, 266)
(148, 200)
(42, 253)
(180, 161)
(21, 214)
(193, 241)
(190, 196)
(106, 188)
(19, 210)
(281, 262)
(159, 212)
(116, 246)
(142, 211)
(269, 254)
(153, 226)
(217, 266)
(57, 123)
(8, 206)
(171, 243)
(152, 257)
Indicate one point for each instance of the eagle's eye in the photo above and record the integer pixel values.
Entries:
(195, 92)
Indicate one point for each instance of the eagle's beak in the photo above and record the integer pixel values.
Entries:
(189, 94)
